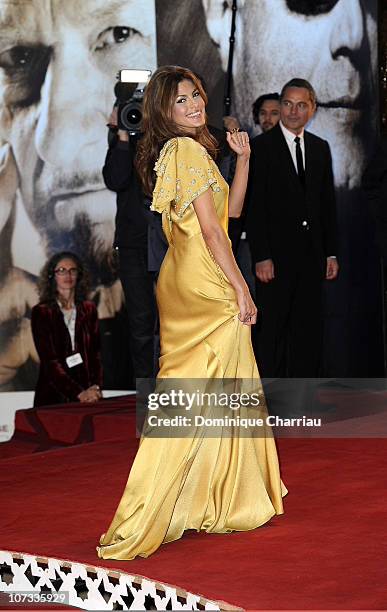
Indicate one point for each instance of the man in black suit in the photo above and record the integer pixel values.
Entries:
(292, 235)
(375, 186)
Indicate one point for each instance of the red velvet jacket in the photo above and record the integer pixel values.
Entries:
(57, 383)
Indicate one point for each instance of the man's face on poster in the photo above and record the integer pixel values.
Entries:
(58, 62)
(332, 44)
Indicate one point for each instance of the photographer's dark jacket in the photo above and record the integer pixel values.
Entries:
(375, 186)
(120, 176)
(57, 383)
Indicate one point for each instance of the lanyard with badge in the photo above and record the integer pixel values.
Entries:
(69, 319)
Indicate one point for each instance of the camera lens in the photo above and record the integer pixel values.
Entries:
(131, 115)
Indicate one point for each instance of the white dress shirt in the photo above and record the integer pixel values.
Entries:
(289, 137)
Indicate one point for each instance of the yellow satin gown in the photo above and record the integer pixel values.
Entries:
(216, 484)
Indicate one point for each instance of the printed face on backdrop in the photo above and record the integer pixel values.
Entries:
(331, 43)
(58, 63)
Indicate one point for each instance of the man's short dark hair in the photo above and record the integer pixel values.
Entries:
(259, 101)
(302, 83)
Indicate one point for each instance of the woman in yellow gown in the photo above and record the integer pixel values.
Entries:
(231, 481)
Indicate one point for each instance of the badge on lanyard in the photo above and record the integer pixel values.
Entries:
(74, 360)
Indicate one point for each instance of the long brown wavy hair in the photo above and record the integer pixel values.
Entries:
(47, 284)
(158, 125)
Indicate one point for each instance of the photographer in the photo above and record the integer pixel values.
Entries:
(131, 245)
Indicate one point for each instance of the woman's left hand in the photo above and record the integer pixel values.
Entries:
(239, 143)
(247, 309)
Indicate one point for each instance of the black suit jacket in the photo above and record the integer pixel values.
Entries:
(120, 176)
(279, 206)
(137, 227)
(57, 383)
(375, 186)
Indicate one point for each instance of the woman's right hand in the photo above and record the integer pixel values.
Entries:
(247, 308)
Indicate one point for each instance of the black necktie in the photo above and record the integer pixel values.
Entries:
(300, 163)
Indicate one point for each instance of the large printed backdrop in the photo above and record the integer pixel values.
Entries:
(57, 71)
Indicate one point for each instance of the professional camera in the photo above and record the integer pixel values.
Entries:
(129, 92)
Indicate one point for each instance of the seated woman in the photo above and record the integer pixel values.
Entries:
(66, 335)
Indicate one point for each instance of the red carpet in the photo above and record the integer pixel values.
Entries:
(327, 552)
(61, 426)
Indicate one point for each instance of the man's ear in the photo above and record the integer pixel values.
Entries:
(218, 18)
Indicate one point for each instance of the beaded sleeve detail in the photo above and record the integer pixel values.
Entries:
(184, 171)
